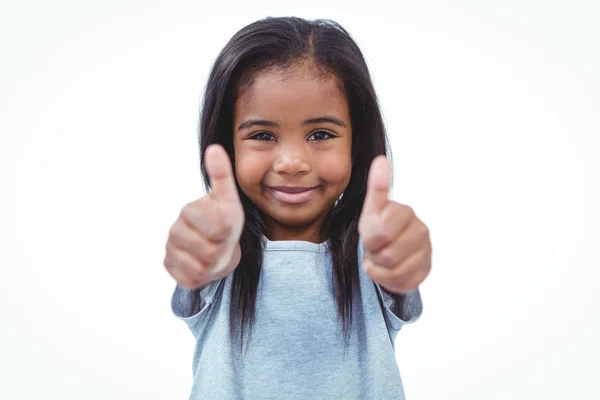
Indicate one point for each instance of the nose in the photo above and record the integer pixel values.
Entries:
(292, 160)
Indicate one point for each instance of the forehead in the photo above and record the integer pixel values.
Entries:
(292, 94)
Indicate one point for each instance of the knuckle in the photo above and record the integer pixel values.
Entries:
(387, 233)
(361, 228)
(424, 252)
(188, 211)
(174, 230)
(372, 242)
(386, 258)
(193, 269)
(392, 208)
(380, 237)
(197, 272)
(171, 264)
(195, 211)
(177, 259)
(426, 271)
(210, 255)
(368, 242)
(167, 261)
(368, 265)
(171, 257)
(175, 235)
(217, 234)
(425, 231)
(408, 211)
(426, 261)
(427, 254)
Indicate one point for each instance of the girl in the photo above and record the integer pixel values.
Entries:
(295, 273)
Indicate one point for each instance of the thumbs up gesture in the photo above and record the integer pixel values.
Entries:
(203, 243)
(397, 247)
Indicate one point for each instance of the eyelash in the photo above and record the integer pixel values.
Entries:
(255, 137)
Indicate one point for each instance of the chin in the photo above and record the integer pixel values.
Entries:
(295, 218)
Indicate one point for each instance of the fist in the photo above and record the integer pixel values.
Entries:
(203, 244)
(397, 247)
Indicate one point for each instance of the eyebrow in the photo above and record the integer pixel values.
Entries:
(271, 124)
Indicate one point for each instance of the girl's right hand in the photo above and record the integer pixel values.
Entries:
(203, 244)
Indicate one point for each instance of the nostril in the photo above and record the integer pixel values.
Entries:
(292, 166)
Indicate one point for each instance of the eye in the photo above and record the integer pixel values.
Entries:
(320, 136)
(263, 137)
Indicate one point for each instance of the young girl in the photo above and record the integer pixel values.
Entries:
(295, 273)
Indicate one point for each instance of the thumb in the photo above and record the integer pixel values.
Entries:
(220, 173)
(378, 186)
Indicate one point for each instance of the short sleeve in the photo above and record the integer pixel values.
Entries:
(191, 305)
(400, 309)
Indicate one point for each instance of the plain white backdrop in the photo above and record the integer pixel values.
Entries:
(493, 109)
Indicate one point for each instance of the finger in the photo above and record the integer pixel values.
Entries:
(182, 266)
(220, 173)
(376, 199)
(396, 218)
(412, 283)
(386, 227)
(204, 217)
(186, 238)
(404, 279)
(378, 186)
(396, 251)
(390, 228)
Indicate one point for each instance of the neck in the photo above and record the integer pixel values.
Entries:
(307, 233)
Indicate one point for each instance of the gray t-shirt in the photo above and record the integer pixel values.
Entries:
(297, 349)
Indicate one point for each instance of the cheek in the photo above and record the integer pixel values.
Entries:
(336, 168)
(249, 168)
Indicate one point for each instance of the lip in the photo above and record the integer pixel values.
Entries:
(293, 194)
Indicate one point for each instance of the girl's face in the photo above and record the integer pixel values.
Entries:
(292, 143)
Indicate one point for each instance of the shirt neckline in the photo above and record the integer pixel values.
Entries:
(298, 245)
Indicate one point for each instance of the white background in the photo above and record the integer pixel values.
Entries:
(493, 112)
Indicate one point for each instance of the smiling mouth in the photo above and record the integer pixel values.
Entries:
(293, 194)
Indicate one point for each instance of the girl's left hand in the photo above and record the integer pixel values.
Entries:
(397, 247)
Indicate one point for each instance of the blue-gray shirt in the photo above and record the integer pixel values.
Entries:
(297, 348)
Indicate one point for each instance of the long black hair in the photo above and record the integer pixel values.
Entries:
(282, 42)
